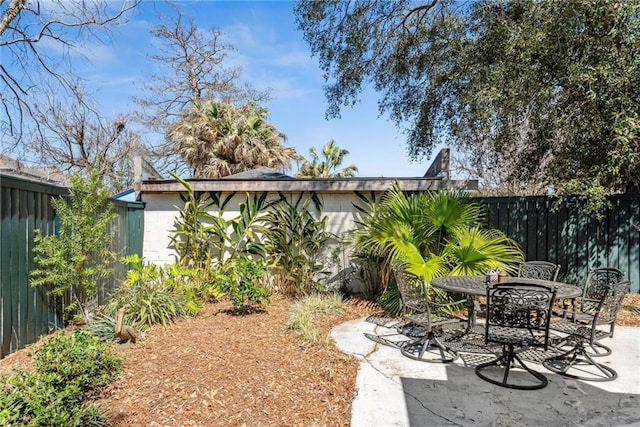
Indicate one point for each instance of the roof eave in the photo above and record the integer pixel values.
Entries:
(332, 185)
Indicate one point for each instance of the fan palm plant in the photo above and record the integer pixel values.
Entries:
(218, 139)
(435, 233)
(333, 157)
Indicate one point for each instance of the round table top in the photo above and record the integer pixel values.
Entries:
(477, 285)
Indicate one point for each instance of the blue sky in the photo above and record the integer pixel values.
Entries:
(272, 53)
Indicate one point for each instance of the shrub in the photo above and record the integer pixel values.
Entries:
(79, 358)
(241, 279)
(68, 370)
(78, 256)
(295, 234)
(145, 296)
(148, 303)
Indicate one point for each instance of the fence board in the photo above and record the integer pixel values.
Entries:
(26, 313)
(565, 235)
(5, 262)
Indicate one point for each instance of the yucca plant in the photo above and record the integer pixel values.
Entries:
(101, 325)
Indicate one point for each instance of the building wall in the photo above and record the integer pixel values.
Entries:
(160, 214)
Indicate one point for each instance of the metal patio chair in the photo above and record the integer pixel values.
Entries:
(544, 270)
(581, 330)
(594, 288)
(518, 318)
(430, 319)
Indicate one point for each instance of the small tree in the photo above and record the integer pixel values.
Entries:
(328, 166)
(79, 255)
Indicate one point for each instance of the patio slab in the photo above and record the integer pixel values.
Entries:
(393, 390)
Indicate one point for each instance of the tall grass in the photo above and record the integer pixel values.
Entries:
(305, 312)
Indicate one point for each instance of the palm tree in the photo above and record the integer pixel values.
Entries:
(435, 233)
(218, 139)
(328, 167)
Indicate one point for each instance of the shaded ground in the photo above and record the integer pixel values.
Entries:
(219, 369)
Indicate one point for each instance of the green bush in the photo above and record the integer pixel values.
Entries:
(148, 303)
(79, 358)
(145, 295)
(68, 371)
(241, 279)
(195, 285)
(295, 234)
(79, 255)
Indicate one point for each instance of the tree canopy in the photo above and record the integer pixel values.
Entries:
(547, 90)
(192, 67)
(218, 139)
(30, 33)
(327, 167)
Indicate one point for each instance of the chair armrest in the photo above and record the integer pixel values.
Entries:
(576, 316)
(449, 304)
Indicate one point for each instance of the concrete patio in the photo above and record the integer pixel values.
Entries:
(393, 390)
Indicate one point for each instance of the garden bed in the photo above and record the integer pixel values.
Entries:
(220, 369)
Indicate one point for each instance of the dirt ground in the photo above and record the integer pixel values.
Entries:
(220, 369)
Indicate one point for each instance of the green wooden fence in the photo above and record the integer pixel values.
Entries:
(26, 313)
(565, 235)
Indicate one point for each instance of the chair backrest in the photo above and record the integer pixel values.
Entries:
(412, 290)
(544, 270)
(519, 314)
(598, 281)
(611, 302)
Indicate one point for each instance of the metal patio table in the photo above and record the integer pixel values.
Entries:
(477, 285)
(473, 336)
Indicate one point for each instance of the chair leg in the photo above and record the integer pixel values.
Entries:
(598, 350)
(507, 360)
(594, 349)
(575, 363)
(429, 345)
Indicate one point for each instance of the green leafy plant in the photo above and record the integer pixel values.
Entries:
(201, 236)
(69, 371)
(191, 239)
(295, 235)
(78, 358)
(146, 297)
(243, 284)
(78, 257)
(150, 303)
(435, 234)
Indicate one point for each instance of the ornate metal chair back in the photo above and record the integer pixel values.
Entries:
(412, 289)
(543, 270)
(519, 314)
(611, 302)
(596, 286)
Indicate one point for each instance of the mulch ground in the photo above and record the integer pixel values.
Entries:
(220, 369)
